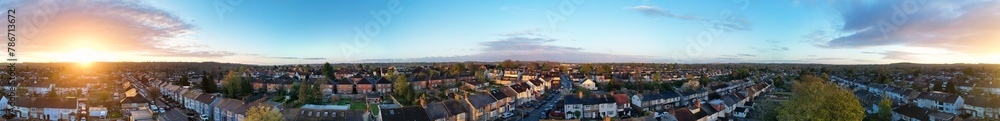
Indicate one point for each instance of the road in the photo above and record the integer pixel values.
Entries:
(537, 113)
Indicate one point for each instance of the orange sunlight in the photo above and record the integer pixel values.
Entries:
(86, 56)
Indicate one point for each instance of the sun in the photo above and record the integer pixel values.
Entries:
(84, 56)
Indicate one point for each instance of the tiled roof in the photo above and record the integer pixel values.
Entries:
(480, 100)
(64, 103)
(436, 111)
(454, 107)
(912, 111)
(415, 113)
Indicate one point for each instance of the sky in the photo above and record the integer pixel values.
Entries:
(271, 32)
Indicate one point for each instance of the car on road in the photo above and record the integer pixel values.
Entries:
(545, 116)
(204, 117)
(508, 115)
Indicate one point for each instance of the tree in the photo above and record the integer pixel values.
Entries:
(235, 87)
(507, 64)
(263, 113)
(327, 71)
(780, 83)
(704, 79)
(691, 84)
(154, 93)
(884, 110)
(532, 66)
(586, 68)
(950, 88)
(657, 76)
(208, 84)
(309, 93)
(51, 94)
(456, 69)
(816, 99)
(604, 69)
(402, 90)
(184, 81)
(938, 86)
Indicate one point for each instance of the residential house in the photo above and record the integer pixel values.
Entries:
(624, 107)
(46, 108)
(573, 106)
(598, 106)
(511, 95)
(588, 84)
(982, 107)
(345, 87)
(365, 86)
(523, 94)
(203, 104)
(382, 85)
(480, 106)
(943, 102)
(502, 103)
(456, 110)
(313, 114)
(226, 109)
(436, 111)
(912, 112)
(134, 103)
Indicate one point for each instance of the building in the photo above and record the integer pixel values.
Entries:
(46, 108)
(345, 87)
(134, 103)
(588, 84)
(480, 107)
(383, 86)
(226, 109)
(982, 107)
(942, 102)
(456, 110)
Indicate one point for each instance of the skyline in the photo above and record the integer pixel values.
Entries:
(309, 32)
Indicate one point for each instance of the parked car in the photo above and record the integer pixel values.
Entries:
(204, 117)
(508, 115)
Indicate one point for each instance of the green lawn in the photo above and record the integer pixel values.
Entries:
(358, 106)
(373, 108)
(342, 102)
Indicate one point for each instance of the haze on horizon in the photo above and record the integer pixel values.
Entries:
(658, 31)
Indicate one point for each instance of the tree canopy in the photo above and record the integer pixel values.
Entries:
(262, 113)
(816, 99)
(236, 87)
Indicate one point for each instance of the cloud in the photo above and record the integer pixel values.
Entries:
(528, 32)
(739, 55)
(526, 48)
(658, 12)
(284, 57)
(105, 25)
(960, 26)
(896, 55)
(728, 23)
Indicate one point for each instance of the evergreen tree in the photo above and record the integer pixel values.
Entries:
(208, 84)
(327, 71)
(184, 81)
(950, 88)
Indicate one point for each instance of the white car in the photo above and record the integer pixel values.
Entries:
(507, 115)
(204, 117)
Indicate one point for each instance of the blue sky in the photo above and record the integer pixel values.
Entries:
(661, 31)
